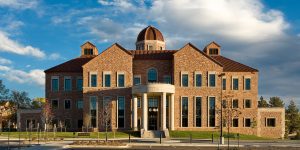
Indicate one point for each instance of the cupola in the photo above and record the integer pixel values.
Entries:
(88, 49)
(150, 38)
(212, 49)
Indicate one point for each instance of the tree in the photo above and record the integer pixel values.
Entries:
(293, 118)
(3, 92)
(106, 115)
(276, 102)
(38, 102)
(47, 114)
(262, 102)
(20, 99)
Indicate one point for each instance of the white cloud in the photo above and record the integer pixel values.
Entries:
(5, 61)
(298, 35)
(9, 45)
(123, 4)
(19, 4)
(35, 76)
(54, 56)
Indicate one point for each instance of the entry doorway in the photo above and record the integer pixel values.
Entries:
(153, 113)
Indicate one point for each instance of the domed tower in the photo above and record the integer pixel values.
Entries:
(150, 38)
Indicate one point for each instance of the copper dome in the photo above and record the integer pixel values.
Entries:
(150, 33)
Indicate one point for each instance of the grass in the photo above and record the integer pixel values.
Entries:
(66, 135)
(209, 134)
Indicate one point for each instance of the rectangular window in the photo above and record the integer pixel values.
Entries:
(67, 123)
(139, 102)
(223, 84)
(79, 84)
(121, 80)
(271, 122)
(55, 84)
(79, 123)
(235, 122)
(68, 104)
(79, 104)
(167, 79)
(213, 51)
(224, 103)
(235, 103)
(235, 84)
(121, 112)
(184, 111)
(136, 80)
(93, 80)
(247, 122)
(198, 80)
(93, 111)
(247, 84)
(54, 104)
(198, 111)
(68, 84)
(247, 103)
(106, 80)
(212, 115)
(184, 80)
(212, 80)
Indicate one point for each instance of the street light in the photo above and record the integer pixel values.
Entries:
(221, 122)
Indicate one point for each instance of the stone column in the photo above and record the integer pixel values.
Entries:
(135, 128)
(145, 112)
(163, 110)
(171, 105)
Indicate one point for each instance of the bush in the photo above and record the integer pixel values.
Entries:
(297, 137)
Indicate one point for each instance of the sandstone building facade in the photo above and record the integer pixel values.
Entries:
(154, 89)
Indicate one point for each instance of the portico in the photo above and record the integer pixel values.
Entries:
(157, 103)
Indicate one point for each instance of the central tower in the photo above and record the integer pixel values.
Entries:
(150, 38)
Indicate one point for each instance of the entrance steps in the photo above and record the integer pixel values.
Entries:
(154, 134)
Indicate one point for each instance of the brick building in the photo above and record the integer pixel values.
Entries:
(154, 89)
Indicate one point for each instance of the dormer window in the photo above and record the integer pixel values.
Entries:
(213, 51)
(88, 52)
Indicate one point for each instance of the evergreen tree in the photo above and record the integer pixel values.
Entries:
(262, 102)
(293, 118)
(276, 102)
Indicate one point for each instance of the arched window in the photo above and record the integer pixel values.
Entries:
(152, 75)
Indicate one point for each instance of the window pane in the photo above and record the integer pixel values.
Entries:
(185, 80)
(235, 84)
(139, 103)
(224, 84)
(235, 122)
(184, 113)
(212, 111)
(212, 80)
(55, 85)
(67, 84)
(93, 111)
(93, 80)
(248, 84)
(137, 81)
(152, 75)
(54, 104)
(167, 79)
(107, 80)
(247, 103)
(271, 122)
(247, 122)
(121, 112)
(79, 84)
(121, 80)
(235, 103)
(198, 111)
(79, 104)
(67, 104)
(198, 80)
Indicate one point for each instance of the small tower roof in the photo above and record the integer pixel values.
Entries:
(150, 33)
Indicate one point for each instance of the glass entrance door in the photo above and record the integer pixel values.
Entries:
(152, 113)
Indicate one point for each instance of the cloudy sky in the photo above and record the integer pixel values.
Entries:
(265, 34)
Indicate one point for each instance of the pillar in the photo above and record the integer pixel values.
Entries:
(163, 110)
(172, 112)
(145, 112)
(135, 128)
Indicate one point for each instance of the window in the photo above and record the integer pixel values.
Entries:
(55, 84)
(93, 80)
(137, 80)
(107, 78)
(224, 104)
(235, 103)
(184, 111)
(198, 80)
(212, 80)
(68, 104)
(185, 80)
(121, 112)
(213, 51)
(79, 104)
(150, 47)
(93, 111)
(235, 84)
(247, 103)
(271, 122)
(54, 104)
(212, 103)
(68, 84)
(152, 75)
(121, 80)
(67, 123)
(167, 79)
(224, 84)
(79, 84)
(235, 122)
(198, 111)
(247, 84)
(247, 122)
(79, 123)
(88, 51)
(139, 102)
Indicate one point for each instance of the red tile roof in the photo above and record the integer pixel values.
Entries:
(233, 66)
(153, 54)
(74, 65)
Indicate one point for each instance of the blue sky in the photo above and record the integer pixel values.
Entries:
(36, 35)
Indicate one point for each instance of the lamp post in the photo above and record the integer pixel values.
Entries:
(221, 121)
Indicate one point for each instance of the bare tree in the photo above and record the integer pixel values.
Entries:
(46, 115)
(106, 116)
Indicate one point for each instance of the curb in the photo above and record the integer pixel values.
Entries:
(97, 146)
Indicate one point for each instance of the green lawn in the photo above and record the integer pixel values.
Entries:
(209, 134)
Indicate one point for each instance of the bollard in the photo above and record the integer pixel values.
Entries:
(129, 138)
(160, 138)
(38, 136)
(212, 138)
(190, 137)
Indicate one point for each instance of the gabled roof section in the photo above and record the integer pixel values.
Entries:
(195, 48)
(88, 42)
(119, 46)
(153, 54)
(73, 65)
(233, 66)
